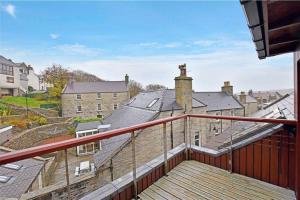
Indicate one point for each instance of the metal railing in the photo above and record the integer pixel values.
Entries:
(64, 145)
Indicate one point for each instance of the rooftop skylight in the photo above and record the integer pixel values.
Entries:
(4, 179)
(152, 103)
(12, 166)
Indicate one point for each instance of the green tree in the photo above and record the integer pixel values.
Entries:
(58, 76)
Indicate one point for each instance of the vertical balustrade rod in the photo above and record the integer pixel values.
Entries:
(165, 147)
(185, 135)
(190, 138)
(67, 174)
(134, 166)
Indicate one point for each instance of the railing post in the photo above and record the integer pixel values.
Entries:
(185, 135)
(190, 138)
(165, 147)
(67, 174)
(134, 166)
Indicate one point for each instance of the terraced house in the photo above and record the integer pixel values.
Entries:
(93, 99)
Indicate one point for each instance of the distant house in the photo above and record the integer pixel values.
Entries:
(93, 99)
(249, 102)
(20, 177)
(16, 78)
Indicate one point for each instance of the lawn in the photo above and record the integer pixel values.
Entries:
(21, 101)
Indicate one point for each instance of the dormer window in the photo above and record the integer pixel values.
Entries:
(4, 179)
(152, 103)
(12, 166)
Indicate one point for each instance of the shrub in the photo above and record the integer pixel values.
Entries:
(42, 121)
(20, 123)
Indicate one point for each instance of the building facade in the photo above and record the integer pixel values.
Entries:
(16, 78)
(93, 99)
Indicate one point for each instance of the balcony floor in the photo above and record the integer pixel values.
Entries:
(195, 180)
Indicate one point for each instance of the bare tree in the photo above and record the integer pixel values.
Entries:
(134, 88)
(153, 87)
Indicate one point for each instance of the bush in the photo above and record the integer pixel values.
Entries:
(40, 120)
(82, 120)
(20, 123)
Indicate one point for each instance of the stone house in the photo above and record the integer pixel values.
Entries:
(93, 99)
(114, 158)
(249, 102)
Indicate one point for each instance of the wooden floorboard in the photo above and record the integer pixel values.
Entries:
(196, 181)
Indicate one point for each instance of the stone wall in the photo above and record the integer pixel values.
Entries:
(89, 104)
(32, 137)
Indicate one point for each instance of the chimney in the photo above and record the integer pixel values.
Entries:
(126, 79)
(227, 88)
(183, 89)
(242, 98)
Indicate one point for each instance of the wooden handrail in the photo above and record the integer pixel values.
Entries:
(57, 146)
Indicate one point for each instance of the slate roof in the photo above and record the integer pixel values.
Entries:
(217, 100)
(6, 61)
(21, 179)
(282, 108)
(5, 134)
(250, 99)
(94, 87)
(123, 117)
(87, 126)
(166, 101)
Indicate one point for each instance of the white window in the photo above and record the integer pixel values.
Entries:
(115, 106)
(79, 109)
(114, 95)
(78, 96)
(12, 166)
(4, 179)
(197, 137)
(152, 103)
(99, 106)
(98, 95)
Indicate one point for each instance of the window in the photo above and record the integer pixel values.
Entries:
(5, 69)
(114, 95)
(9, 79)
(98, 95)
(115, 106)
(12, 166)
(152, 103)
(99, 106)
(197, 138)
(4, 179)
(78, 96)
(79, 109)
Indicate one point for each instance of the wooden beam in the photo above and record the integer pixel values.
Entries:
(266, 25)
(297, 117)
(286, 24)
(285, 43)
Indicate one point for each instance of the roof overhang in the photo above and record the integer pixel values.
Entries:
(274, 25)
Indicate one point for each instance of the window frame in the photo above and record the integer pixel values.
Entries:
(78, 95)
(79, 110)
(117, 106)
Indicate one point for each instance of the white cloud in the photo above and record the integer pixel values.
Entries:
(78, 49)
(208, 70)
(10, 9)
(54, 36)
(159, 45)
(172, 45)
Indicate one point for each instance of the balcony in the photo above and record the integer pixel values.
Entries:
(259, 166)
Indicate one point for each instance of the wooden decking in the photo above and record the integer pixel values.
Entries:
(195, 180)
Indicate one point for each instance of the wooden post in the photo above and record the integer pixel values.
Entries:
(297, 117)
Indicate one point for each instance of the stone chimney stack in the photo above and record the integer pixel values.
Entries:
(183, 89)
(126, 79)
(227, 88)
(242, 98)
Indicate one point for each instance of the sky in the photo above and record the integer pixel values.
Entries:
(145, 39)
